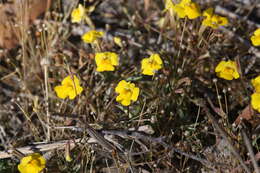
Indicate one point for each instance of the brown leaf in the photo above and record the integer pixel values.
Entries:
(246, 114)
(17, 15)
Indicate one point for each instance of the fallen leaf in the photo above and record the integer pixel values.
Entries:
(246, 114)
(16, 16)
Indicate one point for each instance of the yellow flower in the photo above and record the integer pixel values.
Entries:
(213, 20)
(70, 87)
(106, 61)
(33, 163)
(255, 101)
(186, 8)
(78, 14)
(118, 41)
(256, 83)
(127, 92)
(256, 38)
(227, 70)
(151, 65)
(92, 36)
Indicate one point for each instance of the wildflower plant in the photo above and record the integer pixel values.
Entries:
(151, 65)
(33, 163)
(172, 103)
(118, 41)
(213, 20)
(127, 91)
(227, 70)
(255, 38)
(70, 87)
(106, 61)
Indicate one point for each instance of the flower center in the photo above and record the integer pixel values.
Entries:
(127, 92)
(35, 163)
(229, 70)
(153, 63)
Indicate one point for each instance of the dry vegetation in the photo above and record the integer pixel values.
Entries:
(185, 119)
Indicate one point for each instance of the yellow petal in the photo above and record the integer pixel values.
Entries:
(121, 85)
(225, 76)
(61, 91)
(119, 98)
(78, 14)
(192, 11)
(256, 83)
(126, 102)
(184, 2)
(179, 10)
(114, 59)
(227, 70)
(157, 58)
(255, 40)
(91, 36)
(223, 21)
(70, 87)
(236, 75)
(257, 32)
(135, 94)
(72, 94)
(208, 13)
(67, 81)
(255, 101)
(118, 41)
(220, 66)
(106, 61)
(33, 163)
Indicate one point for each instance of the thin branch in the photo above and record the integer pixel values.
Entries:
(250, 150)
(229, 14)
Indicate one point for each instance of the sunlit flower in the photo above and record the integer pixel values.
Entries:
(151, 65)
(185, 8)
(33, 163)
(256, 83)
(256, 38)
(70, 87)
(106, 61)
(255, 101)
(118, 41)
(213, 20)
(78, 14)
(227, 70)
(127, 92)
(92, 36)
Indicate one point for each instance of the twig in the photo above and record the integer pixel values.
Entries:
(45, 63)
(41, 147)
(159, 140)
(229, 14)
(250, 150)
(104, 143)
